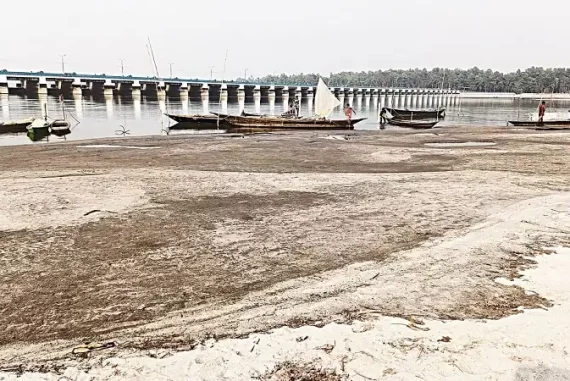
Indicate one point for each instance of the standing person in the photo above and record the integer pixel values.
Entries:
(383, 117)
(348, 111)
(541, 111)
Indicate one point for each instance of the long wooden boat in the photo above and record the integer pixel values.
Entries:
(417, 114)
(15, 126)
(412, 124)
(531, 123)
(280, 123)
(211, 120)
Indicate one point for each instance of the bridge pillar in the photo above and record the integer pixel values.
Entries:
(310, 99)
(395, 98)
(271, 100)
(359, 98)
(136, 89)
(299, 94)
(341, 96)
(285, 98)
(224, 98)
(161, 90)
(42, 86)
(108, 88)
(350, 99)
(76, 88)
(416, 97)
(375, 94)
(3, 84)
(241, 92)
(205, 92)
(257, 99)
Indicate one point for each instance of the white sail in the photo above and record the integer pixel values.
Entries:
(325, 101)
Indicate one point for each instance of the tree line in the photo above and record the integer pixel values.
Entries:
(532, 80)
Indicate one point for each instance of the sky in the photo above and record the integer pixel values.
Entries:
(273, 37)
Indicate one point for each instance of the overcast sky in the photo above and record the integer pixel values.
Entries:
(291, 36)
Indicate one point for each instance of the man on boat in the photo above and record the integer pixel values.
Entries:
(541, 111)
(348, 111)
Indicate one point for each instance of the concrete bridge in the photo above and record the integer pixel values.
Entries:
(77, 85)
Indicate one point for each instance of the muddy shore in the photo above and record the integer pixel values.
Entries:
(222, 236)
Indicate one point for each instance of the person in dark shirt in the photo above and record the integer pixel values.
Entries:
(541, 111)
(383, 116)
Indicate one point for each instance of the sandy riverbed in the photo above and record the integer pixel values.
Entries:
(168, 249)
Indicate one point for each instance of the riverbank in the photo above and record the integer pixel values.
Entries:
(531, 96)
(228, 238)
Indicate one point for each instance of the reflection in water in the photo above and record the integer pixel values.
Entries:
(137, 107)
(205, 105)
(109, 106)
(184, 99)
(5, 103)
(272, 105)
(43, 103)
(78, 102)
(257, 102)
(241, 104)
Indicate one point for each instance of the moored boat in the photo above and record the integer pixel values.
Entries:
(325, 103)
(211, 119)
(417, 114)
(15, 126)
(546, 123)
(281, 123)
(412, 124)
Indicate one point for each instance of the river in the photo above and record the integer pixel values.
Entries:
(119, 116)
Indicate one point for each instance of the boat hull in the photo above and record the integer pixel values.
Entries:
(412, 124)
(417, 114)
(210, 120)
(280, 123)
(15, 127)
(546, 123)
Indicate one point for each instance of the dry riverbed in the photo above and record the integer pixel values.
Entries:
(210, 244)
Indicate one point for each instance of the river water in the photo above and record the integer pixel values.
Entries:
(109, 117)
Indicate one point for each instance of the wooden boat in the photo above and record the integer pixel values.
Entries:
(412, 124)
(417, 114)
(210, 120)
(546, 123)
(325, 103)
(198, 126)
(41, 129)
(15, 126)
(60, 131)
(280, 123)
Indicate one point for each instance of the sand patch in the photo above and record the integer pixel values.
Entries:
(116, 146)
(35, 203)
(528, 346)
(459, 144)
